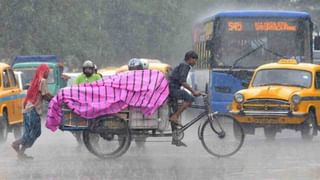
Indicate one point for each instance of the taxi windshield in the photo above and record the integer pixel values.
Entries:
(283, 77)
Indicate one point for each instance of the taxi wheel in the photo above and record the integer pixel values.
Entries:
(4, 127)
(308, 126)
(270, 133)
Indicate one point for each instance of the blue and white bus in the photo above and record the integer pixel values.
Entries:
(232, 44)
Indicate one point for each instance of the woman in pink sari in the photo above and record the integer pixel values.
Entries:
(37, 92)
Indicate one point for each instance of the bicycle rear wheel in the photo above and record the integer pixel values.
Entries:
(109, 137)
(222, 135)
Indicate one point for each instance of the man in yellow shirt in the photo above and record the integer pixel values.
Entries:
(88, 74)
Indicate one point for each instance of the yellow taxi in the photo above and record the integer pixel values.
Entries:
(11, 101)
(281, 95)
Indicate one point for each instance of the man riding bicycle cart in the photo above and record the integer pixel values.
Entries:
(112, 110)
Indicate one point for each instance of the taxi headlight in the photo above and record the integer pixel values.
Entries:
(239, 98)
(296, 99)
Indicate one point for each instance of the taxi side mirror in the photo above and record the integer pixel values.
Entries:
(316, 42)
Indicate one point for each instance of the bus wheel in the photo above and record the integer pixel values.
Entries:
(270, 133)
(308, 126)
(4, 127)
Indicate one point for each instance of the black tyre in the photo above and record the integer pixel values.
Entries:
(309, 126)
(270, 133)
(219, 138)
(109, 137)
(4, 127)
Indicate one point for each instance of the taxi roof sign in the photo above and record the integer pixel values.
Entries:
(288, 61)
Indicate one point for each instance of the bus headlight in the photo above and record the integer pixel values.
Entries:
(296, 99)
(239, 98)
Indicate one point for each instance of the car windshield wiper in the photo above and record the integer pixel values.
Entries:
(275, 53)
(271, 51)
(259, 46)
(244, 56)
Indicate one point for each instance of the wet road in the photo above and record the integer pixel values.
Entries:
(56, 157)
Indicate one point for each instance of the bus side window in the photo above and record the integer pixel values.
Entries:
(318, 80)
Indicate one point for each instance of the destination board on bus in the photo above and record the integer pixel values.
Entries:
(239, 26)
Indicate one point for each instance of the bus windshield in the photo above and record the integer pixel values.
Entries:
(250, 42)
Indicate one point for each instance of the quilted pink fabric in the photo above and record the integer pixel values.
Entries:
(145, 89)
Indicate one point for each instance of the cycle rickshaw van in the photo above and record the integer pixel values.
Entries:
(285, 94)
(112, 111)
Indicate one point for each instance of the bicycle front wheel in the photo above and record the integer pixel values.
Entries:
(222, 135)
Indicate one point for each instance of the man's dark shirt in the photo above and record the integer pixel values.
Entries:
(179, 75)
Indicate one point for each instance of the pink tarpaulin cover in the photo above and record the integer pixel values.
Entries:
(145, 89)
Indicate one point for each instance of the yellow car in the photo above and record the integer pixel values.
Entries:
(11, 101)
(281, 95)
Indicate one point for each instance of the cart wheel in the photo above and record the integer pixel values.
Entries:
(107, 137)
